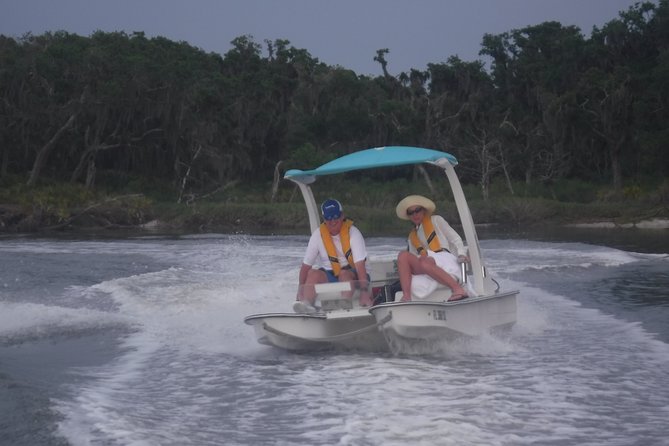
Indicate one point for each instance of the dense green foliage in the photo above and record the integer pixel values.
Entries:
(125, 113)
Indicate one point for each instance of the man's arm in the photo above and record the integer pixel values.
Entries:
(365, 290)
(304, 270)
(361, 270)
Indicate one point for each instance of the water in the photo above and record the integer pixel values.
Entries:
(141, 341)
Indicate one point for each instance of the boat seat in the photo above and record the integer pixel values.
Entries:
(329, 296)
(383, 270)
(332, 287)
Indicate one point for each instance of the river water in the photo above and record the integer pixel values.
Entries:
(141, 341)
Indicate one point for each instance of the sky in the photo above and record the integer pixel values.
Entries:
(337, 32)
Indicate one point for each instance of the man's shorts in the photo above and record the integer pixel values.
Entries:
(333, 278)
(330, 274)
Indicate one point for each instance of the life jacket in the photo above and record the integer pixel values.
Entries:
(345, 238)
(430, 235)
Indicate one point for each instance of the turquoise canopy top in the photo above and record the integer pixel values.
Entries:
(370, 158)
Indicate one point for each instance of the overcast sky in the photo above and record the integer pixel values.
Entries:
(337, 32)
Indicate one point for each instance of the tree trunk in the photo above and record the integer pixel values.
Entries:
(83, 161)
(423, 172)
(616, 170)
(90, 173)
(485, 190)
(275, 182)
(5, 160)
(184, 180)
(43, 154)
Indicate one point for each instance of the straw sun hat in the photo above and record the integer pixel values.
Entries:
(414, 200)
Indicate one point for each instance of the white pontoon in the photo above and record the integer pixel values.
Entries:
(342, 323)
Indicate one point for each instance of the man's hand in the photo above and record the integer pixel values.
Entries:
(365, 295)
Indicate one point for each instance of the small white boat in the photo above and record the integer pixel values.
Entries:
(390, 325)
(342, 323)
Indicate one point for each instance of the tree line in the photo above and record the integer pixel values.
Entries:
(553, 104)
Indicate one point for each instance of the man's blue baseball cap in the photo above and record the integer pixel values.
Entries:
(331, 209)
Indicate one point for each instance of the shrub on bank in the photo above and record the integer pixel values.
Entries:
(235, 208)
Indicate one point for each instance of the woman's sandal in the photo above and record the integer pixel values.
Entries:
(456, 297)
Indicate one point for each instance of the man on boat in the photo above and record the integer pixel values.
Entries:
(431, 243)
(336, 253)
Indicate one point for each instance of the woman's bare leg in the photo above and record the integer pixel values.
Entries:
(409, 264)
(406, 263)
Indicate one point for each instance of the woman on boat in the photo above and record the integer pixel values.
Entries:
(336, 253)
(431, 243)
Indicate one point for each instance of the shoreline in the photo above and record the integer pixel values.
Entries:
(157, 228)
(289, 219)
(655, 223)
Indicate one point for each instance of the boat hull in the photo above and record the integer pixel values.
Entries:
(313, 332)
(394, 326)
(426, 320)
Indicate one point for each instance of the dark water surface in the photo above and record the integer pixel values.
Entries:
(141, 340)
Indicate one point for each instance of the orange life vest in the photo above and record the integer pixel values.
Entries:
(345, 238)
(430, 235)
